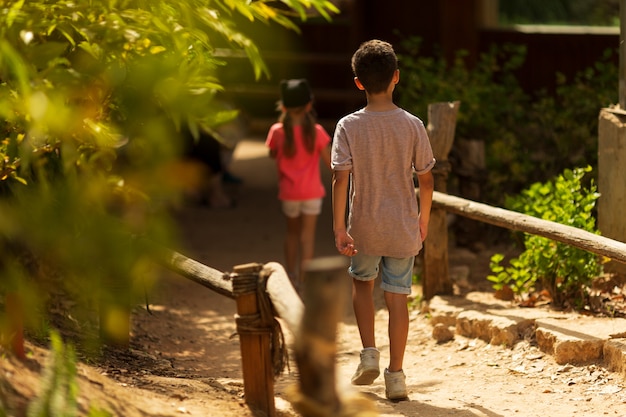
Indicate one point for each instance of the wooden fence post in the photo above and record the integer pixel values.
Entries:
(325, 298)
(441, 127)
(470, 173)
(254, 340)
(611, 180)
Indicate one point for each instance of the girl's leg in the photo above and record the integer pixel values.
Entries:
(307, 240)
(292, 248)
(398, 328)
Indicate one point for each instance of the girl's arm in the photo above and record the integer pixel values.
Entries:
(325, 154)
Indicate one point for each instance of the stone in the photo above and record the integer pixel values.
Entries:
(495, 330)
(442, 333)
(576, 340)
(570, 338)
(615, 355)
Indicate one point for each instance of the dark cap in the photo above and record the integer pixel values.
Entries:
(295, 93)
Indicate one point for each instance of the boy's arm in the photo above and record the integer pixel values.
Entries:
(343, 241)
(426, 184)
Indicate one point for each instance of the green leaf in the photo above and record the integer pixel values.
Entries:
(92, 49)
(14, 12)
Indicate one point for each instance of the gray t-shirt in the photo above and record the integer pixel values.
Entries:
(383, 150)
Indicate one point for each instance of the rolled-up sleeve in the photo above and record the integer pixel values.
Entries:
(341, 158)
(424, 160)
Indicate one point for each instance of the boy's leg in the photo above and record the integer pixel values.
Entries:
(398, 328)
(397, 275)
(366, 268)
(363, 305)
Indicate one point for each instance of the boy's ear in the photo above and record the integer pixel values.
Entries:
(358, 83)
(396, 76)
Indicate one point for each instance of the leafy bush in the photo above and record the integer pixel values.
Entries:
(561, 129)
(492, 103)
(529, 136)
(563, 270)
(490, 95)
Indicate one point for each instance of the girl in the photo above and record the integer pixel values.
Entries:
(297, 142)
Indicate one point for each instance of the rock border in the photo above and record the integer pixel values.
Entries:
(570, 338)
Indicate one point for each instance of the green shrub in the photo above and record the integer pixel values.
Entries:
(529, 136)
(490, 95)
(561, 129)
(564, 271)
(492, 104)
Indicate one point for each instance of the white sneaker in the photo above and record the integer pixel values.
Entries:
(368, 369)
(395, 385)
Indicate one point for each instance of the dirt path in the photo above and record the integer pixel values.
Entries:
(463, 377)
(185, 357)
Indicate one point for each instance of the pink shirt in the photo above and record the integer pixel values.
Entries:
(299, 177)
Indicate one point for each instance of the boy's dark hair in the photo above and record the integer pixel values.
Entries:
(374, 64)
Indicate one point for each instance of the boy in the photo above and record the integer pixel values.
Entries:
(375, 152)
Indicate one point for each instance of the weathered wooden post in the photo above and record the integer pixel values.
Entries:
(254, 340)
(441, 127)
(611, 180)
(622, 55)
(612, 157)
(470, 172)
(325, 297)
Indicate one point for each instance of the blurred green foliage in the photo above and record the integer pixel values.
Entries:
(58, 394)
(93, 95)
(59, 390)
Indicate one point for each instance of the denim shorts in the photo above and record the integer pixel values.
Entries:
(294, 208)
(397, 273)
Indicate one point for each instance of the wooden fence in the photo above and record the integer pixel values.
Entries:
(264, 292)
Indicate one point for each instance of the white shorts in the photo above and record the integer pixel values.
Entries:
(294, 208)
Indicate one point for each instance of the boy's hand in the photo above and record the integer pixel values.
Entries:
(345, 244)
(423, 228)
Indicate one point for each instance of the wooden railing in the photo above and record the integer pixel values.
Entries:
(264, 292)
(600, 245)
(442, 119)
